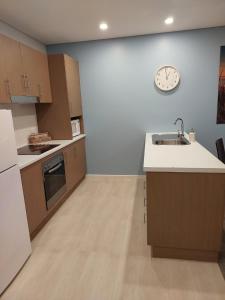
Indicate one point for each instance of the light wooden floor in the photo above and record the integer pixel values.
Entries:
(94, 248)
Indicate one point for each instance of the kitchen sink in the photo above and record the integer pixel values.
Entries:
(169, 139)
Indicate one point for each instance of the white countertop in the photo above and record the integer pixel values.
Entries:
(26, 160)
(179, 158)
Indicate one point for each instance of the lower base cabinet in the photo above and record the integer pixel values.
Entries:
(185, 214)
(75, 163)
(34, 195)
(33, 186)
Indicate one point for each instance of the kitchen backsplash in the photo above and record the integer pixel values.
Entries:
(24, 120)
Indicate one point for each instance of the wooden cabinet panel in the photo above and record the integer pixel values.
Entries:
(73, 86)
(43, 80)
(81, 159)
(30, 58)
(34, 195)
(65, 84)
(70, 164)
(185, 212)
(75, 161)
(11, 71)
(55, 118)
(23, 71)
(37, 82)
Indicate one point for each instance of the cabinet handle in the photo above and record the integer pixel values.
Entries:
(23, 77)
(22, 81)
(39, 90)
(27, 82)
(7, 87)
(144, 218)
(145, 201)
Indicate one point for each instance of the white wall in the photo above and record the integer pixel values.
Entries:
(24, 121)
(24, 116)
(21, 37)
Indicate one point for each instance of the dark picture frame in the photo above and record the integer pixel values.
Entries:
(221, 89)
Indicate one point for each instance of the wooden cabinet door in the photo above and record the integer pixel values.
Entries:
(30, 59)
(70, 165)
(35, 64)
(11, 71)
(80, 159)
(73, 86)
(33, 189)
(43, 78)
(75, 163)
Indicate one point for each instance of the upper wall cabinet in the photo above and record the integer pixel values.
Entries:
(73, 86)
(11, 70)
(23, 71)
(44, 86)
(65, 84)
(30, 65)
(35, 67)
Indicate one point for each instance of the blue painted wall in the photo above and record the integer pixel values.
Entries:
(120, 101)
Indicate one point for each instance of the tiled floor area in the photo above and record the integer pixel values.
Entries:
(94, 248)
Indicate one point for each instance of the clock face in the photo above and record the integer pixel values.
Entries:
(167, 78)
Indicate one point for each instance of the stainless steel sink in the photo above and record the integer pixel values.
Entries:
(169, 139)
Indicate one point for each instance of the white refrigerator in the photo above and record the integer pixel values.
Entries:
(15, 247)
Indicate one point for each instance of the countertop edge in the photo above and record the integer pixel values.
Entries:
(184, 170)
(35, 158)
(149, 167)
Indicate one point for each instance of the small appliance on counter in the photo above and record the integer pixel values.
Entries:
(192, 135)
(36, 138)
(75, 127)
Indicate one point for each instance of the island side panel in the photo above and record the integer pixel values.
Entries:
(185, 211)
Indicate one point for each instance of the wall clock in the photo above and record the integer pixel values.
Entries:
(167, 78)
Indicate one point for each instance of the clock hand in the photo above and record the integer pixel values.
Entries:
(166, 74)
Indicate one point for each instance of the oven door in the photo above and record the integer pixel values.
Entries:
(54, 183)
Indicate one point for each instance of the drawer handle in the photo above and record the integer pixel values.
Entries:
(39, 90)
(27, 82)
(7, 87)
(23, 81)
(145, 201)
(144, 218)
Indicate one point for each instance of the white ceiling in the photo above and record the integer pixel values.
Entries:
(56, 21)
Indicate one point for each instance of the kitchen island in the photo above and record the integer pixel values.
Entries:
(185, 200)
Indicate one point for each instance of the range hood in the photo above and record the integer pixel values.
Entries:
(24, 99)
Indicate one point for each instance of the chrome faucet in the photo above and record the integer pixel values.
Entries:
(180, 133)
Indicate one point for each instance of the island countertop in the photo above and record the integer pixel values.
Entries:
(179, 158)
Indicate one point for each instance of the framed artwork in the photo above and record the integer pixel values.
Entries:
(221, 91)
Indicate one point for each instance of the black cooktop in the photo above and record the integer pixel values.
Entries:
(35, 149)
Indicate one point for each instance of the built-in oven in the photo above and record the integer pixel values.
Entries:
(54, 179)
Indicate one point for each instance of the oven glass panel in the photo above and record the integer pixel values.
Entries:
(54, 179)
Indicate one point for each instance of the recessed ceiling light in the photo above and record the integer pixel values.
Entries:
(103, 26)
(169, 20)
